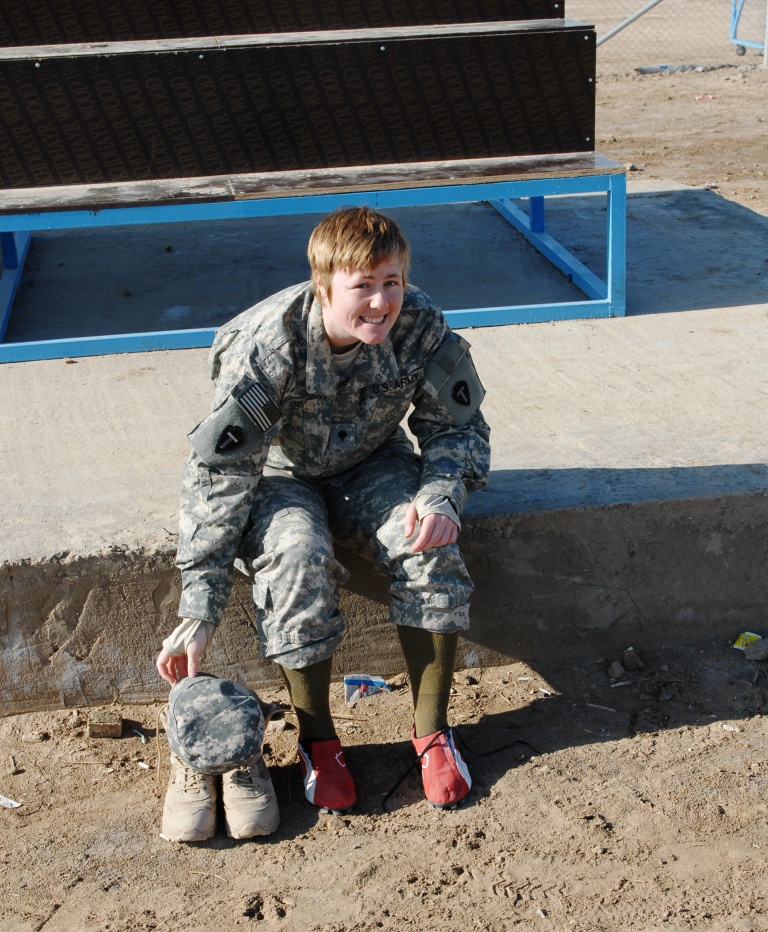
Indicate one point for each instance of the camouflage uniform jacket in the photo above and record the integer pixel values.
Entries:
(315, 425)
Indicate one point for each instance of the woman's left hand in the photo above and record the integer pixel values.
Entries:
(436, 530)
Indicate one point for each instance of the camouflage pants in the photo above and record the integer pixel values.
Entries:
(288, 549)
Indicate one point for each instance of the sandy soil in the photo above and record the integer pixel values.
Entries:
(629, 804)
(703, 128)
(637, 804)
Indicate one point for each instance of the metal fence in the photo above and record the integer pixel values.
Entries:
(673, 32)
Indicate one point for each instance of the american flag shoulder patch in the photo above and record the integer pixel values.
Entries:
(256, 403)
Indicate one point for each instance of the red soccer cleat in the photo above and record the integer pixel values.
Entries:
(444, 774)
(327, 782)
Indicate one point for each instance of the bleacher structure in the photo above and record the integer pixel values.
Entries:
(118, 112)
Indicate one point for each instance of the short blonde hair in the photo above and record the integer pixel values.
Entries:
(353, 238)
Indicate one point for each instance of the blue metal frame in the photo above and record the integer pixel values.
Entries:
(737, 8)
(605, 298)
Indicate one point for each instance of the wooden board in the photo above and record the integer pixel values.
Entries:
(217, 43)
(44, 22)
(244, 110)
(292, 184)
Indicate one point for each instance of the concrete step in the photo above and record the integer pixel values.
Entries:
(628, 499)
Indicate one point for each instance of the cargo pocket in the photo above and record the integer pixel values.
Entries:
(260, 584)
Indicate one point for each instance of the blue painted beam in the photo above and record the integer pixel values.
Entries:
(538, 221)
(558, 255)
(106, 345)
(607, 298)
(527, 314)
(15, 248)
(10, 252)
(616, 232)
(303, 204)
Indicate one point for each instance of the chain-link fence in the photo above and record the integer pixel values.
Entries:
(673, 32)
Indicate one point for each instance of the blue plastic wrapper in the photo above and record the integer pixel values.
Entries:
(361, 686)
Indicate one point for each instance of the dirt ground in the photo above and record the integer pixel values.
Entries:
(635, 804)
(702, 128)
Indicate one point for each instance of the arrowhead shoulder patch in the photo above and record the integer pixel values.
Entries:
(454, 379)
(230, 439)
(461, 394)
(238, 427)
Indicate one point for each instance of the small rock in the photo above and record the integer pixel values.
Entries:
(632, 660)
(757, 650)
(336, 822)
(277, 724)
(616, 670)
(467, 680)
(35, 737)
(105, 724)
(397, 682)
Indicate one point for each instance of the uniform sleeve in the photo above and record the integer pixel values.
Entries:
(453, 435)
(213, 512)
(218, 483)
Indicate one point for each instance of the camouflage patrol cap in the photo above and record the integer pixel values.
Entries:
(214, 725)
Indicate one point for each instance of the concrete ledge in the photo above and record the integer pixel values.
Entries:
(628, 499)
(553, 588)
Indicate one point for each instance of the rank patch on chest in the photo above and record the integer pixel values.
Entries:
(256, 403)
(344, 436)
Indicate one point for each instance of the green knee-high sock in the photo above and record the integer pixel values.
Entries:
(430, 659)
(309, 689)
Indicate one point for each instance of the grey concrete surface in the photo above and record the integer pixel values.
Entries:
(630, 479)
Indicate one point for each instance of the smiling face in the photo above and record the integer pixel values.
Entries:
(362, 305)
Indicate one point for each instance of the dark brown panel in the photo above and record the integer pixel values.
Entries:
(49, 22)
(137, 117)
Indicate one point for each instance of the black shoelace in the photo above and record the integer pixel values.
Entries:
(464, 744)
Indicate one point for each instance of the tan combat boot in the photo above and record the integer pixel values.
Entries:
(189, 813)
(250, 804)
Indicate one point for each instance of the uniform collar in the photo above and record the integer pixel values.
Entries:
(375, 364)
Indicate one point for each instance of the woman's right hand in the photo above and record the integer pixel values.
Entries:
(173, 668)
